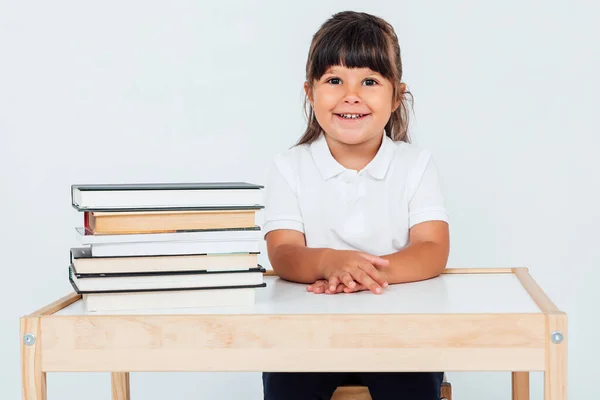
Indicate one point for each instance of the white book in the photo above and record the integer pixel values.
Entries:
(209, 235)
(85, 263)
(165, 195)
(167, 300)
(165, 281)
(174, 248)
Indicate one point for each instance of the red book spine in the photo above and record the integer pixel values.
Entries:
(86, 222)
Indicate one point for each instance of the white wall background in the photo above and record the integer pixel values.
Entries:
(506, 97)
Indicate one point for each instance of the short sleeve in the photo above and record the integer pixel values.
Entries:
(282, 210)
(427, 200)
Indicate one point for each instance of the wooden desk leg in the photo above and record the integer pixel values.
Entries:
(520, 386)
(33, 379)
(555, 376)
(120, 385)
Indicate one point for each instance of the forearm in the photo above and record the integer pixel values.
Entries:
(416, 262)
(298, 263)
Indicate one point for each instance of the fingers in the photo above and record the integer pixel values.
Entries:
(351, 270)
(338, 282)
(369, 276)
(340, 276)
(363, 273)
(374, 274)
(322, 286)
(356, 288)
(347, 280)
(381, 262)
(338, 289)
(318, 287)
(376, 261)
(334, 281)
(364, 279)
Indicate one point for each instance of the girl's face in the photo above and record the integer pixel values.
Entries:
(352, 105)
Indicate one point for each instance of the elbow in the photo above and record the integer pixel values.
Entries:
(438, 270)
(442, 261)
(437, 263)
(275, 262)
(281, 258)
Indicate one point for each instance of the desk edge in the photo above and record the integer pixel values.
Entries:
(536, 292)
(270, 272)
(56, 305)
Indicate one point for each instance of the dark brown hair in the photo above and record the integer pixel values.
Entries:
(357, 40)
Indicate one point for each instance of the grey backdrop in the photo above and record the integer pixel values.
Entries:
(506, 97)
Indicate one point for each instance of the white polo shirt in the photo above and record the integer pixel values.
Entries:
(370, 210)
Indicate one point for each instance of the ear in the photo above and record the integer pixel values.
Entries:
(399, 96)
(309, 93)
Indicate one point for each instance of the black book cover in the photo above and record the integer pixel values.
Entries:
(184, 208)
(164, 186)
(260, 285)
(167, 186)
(86, 252)
(258, 268)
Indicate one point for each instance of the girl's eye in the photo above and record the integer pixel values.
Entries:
(337, 81)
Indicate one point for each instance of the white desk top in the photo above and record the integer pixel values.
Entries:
(446, 294)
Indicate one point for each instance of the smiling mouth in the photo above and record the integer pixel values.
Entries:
(352, 116)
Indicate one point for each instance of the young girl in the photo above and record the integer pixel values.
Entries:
(353, 206)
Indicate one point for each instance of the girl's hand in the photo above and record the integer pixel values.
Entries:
(353, 269)
(322, 286)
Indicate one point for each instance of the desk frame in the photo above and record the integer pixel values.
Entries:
(121, 344)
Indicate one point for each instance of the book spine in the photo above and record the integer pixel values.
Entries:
(86, 221)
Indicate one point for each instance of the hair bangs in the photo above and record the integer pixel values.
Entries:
(353, 46)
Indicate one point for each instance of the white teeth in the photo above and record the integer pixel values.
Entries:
(351, 116)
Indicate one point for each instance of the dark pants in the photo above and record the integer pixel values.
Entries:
(382, 385)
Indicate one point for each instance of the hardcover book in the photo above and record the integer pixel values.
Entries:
(165, 195)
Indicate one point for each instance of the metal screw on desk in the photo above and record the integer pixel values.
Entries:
(29, 339)
(557, 337)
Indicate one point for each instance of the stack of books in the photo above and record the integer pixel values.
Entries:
(174, 245)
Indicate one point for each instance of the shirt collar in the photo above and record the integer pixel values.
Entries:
(329, 167)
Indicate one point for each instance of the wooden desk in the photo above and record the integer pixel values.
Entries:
(464, 320)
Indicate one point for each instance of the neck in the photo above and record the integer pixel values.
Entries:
(354, 156)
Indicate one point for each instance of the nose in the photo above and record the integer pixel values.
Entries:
(351, 96)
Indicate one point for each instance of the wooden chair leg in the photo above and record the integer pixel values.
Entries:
(351, 393)
(446, 392)
(362, 392)
(520, 386)
(120, 385)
